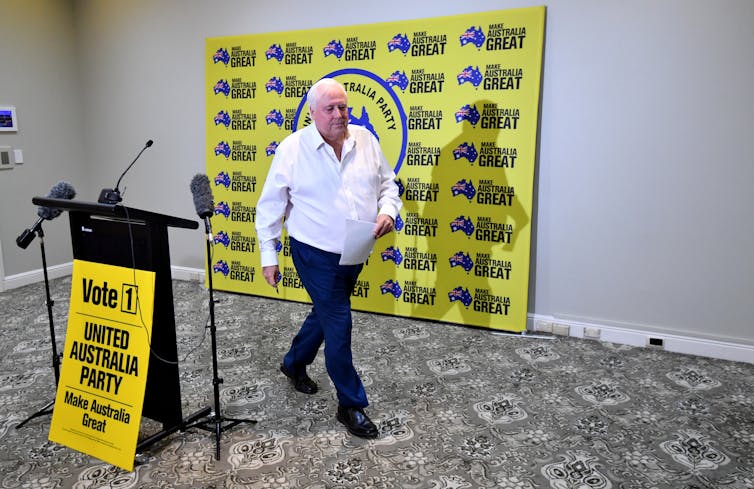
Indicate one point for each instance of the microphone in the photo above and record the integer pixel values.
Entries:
(112, 195)
(61, 190)
(203, 201)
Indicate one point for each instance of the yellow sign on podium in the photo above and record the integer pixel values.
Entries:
(105, 360)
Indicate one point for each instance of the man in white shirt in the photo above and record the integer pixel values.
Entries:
(320, 176)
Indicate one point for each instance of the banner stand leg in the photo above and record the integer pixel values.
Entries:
(47, 409)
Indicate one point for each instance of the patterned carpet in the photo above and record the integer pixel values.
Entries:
(456, 407)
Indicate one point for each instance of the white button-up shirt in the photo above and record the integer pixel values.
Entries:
(316, 193)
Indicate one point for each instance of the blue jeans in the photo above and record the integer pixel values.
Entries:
(329, 286)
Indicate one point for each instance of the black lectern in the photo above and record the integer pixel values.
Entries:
(122, 236)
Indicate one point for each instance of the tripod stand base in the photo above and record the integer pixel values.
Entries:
(217, 425)
(169, 431)
(47, 409)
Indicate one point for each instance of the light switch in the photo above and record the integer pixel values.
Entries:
(19, 155)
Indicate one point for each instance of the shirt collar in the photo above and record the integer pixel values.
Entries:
(313, 137)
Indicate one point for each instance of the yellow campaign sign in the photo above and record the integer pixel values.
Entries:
(105, 360)
(454, 103)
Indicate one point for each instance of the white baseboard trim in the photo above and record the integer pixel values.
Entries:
(690, 345)
(57, 271)
(704, 347)
(187, 274)
(34, 276)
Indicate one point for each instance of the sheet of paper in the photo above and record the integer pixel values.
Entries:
(359, 242)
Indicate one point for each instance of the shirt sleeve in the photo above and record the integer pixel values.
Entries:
(271, 207)
(388, 200)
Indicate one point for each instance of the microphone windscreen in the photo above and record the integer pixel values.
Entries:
(203, 200)
(61, 190)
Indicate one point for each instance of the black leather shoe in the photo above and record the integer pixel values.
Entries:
(357, 422)
(301, 382)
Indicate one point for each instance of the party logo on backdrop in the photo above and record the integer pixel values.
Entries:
(464, 188)
(298, 54)
(424, 43)
(421, 191)
(392, 287)
(493, 156)
(502, 37)
(236, 211)
(497, 78)
(359, 49)
(290, 279)
(240, 272)
(241, 89)
(419, 260)
(372, 104)
(488, 266)
(494, 117)
(424, 118)
(486, 301)
(361, 289)
(241, 57)
(491, 193)
(419, 155)
(393, 254)
(223, 179)
(242, 242)
(473, 36)
(241, 182)
(462, 259)
(414, 293)
(416, 225)
(334, 48)
(423, 81)
(275, 51)
(492, 231)
(221, 56)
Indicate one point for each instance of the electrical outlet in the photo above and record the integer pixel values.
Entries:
(544, 326)
(655, 342)
(593, 333)
(6, 158)
(560, 329)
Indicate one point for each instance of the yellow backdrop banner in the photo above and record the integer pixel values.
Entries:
(104, 369)
(454, 102)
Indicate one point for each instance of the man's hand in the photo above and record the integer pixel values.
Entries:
(271, 274)
(383, 226)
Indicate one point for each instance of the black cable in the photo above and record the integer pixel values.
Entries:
(138, 306)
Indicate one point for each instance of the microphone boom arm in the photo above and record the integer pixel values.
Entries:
(25, 238)
(112, 195)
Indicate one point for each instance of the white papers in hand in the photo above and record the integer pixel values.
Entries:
(358, 243)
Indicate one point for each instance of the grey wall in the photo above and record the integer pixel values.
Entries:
(39, 75)
(643, 212)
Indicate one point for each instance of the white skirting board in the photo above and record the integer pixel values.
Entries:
(34, 276)
(691, 345)
(57, 271)
(704, 347)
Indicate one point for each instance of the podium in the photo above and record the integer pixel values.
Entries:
(131, 238)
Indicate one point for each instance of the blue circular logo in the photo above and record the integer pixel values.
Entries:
(373, 105)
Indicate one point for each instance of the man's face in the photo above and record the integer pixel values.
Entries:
(331, 114)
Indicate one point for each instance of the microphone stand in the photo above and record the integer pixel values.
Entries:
(216, 423)
(47, 409)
